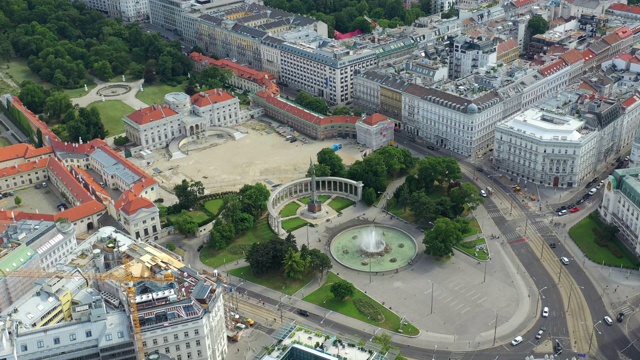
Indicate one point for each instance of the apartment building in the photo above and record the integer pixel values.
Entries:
(547, 149)
(376, 91)
(468, 56)
(621, 207)
(127, 10)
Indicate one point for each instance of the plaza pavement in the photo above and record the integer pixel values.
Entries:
(128, 98)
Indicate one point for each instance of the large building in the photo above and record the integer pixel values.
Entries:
(375, 131)
(181, 116)
(621, 205)
(547, 149)
(469, 56)
(128, 10)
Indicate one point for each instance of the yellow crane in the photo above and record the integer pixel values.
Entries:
(125, 280)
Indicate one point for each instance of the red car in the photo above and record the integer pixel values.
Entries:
(575, 209)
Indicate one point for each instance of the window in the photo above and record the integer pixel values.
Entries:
(175, 336)
(165, 339)
(196, 332)
(179, 357)
(120, 334)
(189, 356)
(155, 341)
(23, 348)
(72, 337)
(87, 333)
(108, 337)
(40, 344)
(199, 353)
(197, 342)
(188, 345)
(186, 334)
(177, 347)
(167, 350)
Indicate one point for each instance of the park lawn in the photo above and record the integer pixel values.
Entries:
(339, 203)
(19, 72)
(111, 114)
(214, 205)
(197, 216)
(79, 92)
(293, 224)
(397, 210)
(324, 298)
(4, 141)
(216, 258)
(154, 94)
(274, 280)
(582, 234)
(322, 198)
(482, 255)
(290, 209)
(475, 228)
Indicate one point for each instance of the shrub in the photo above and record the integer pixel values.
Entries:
(468, 244)
(368, 309)
(171, 246)
(602, 242)
(615, 251)
(120, 140)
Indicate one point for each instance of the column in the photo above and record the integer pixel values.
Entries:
(359, 190)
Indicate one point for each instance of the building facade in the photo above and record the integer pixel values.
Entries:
(621, 206)
(375, 131)
(547, 149)
(467, 56)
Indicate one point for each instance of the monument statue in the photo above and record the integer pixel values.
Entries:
(314, 206)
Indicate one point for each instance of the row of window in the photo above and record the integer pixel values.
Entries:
(72, 337)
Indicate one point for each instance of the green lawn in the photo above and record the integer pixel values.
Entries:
(322, 198)
(216, 258)
(292, 224)
(339, 203)
(196, 215)
(475, 228)
(398, 211)
(469, 247)
(324, 298)
(19, 72)
(290, 209)
(4, 141)
(79, 92)
(583, 235)
(214, 206)
(111, 113)
(154, 94)
(273, 280)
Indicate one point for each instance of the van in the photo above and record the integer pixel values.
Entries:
(288, 137)
(593, 191)
(241, 326)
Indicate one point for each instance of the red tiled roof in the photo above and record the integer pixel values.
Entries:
(630, 102)
(586, 86)
(33, 119)
(521, 3)
(24, 151)
(505, 46)
(93, 186)
(572, 56)
(588, 55)
(338, 119)
(552, 67)
(213, 96)
(624, 8)
(624, 32)
(374, 119)
(133, 206)
(57, 169)
(151, 113)
(24, 167)
(625, 57)
(612, 38)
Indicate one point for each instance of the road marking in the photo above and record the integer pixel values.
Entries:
(473, 298)
(465, 310)
(461, 305)
(448, 299)
(471, 292)
(459, 286)
(481, 300)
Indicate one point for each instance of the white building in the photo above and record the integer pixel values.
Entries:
(621, 205)
(323, 68)
(375, 131)
(546, 148)
(128, 10)
(156, 126)
(468, 56)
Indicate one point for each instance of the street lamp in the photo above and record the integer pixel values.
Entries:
(495, 329)
(593, 330)
(308, 235)
(431, 296)
(570, 292)
(434, 353)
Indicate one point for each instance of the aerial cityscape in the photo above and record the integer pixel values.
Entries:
(319, 180)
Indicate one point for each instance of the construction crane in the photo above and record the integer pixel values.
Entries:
(375, 24)
(125, 280)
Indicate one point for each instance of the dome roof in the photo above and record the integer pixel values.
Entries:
(472, 108)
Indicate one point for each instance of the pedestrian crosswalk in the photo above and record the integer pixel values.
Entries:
(458, 355)
(495, 214)
(540, 226)
(514, 235)
(626, 309)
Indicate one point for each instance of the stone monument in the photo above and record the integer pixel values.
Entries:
(314, 206)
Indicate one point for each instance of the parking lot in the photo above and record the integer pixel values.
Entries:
(35, 200)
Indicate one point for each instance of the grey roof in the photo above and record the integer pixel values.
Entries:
(272, 40)
(385, 79)
(453, 101)
(69, 155)
(589, 4)
(212, 19)
(599, 46)
(248, 31)
(274, 24)
(201, 290)
(112, 167)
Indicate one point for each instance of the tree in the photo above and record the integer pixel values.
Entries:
(266, 256)
(102, 70)
(403, 195)
(254, 199)
(537, 25)
(33, 96)
(39, 138)
(318, 261)
(294, 265)
(422, 206)
(371, 171)
(57, 105)
(171, 246)
(342, 289)
(321, 170)
(120, 140)
(329, 158)
(312, 103)
(188, 192)
(17, 200)
(364, 26)
(369, 196)
(440, 240)
(465, 194)
(185, 224)
(441, 169)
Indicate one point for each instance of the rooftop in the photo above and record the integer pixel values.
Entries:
(546, 126)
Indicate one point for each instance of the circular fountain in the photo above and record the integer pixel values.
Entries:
(373, 248)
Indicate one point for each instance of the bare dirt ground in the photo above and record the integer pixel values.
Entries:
(261, 155)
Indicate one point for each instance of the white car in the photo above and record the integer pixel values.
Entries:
(539, 334)
(608, 320)
(562, 212)
(483, 193)
(593, 191)
(516, 341)
(545, 312)
(564, 260)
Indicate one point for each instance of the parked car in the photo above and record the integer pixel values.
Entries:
(608, 320)
(545, 312)
(574, 209)
(44, 184)
(11, 193)
(483, 193)
(4, 195)
(539, 334)
(552, 245)
(516, 341)
(431, 147)
(304, 313)
(480, 169)
(562, 212)
(564, 260)
(580, 201)
(200, 247)
(593, 191)
(620, 317)
(557, 347)
(38, 186)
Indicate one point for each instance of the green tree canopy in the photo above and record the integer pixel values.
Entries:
(333, 161)
(342, 289)
(188, 192)
(440, 240)
(537, 25)
(184, 224)
(369, 196)
(294, 264)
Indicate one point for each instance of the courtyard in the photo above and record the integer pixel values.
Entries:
(35, 200)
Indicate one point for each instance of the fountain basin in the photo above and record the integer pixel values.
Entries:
(373, 247)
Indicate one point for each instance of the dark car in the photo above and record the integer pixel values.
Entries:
(304, 313)
(62, 205)
(293, 140)
(5, 194)
(595, 179)
(431, 147)
(159, 200)
(620, 317)
(38, 186)
(552, 245)
(580, 201)
(557, 347)
(480, 169)
(200, 247)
